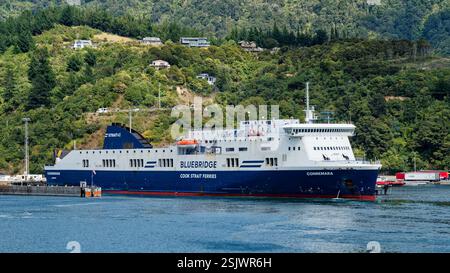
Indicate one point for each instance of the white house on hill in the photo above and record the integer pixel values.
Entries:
(79, 44)
(160, 64)
(250, 46)
(152, 41)
(374, 2)
(205, 76)
(194, 41)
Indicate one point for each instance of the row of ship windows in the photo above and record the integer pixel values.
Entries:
(165, 163)
(339, 148)
(127, 151)
(232, 162)
(85, 163)
(241, 149)
(271, 161)
(109, 163)
(139, 163)
(293, 148)
(321, 130)
(230, 140)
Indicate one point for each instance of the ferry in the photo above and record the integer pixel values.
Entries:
(278, 158)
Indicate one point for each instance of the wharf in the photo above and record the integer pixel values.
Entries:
(44, 190)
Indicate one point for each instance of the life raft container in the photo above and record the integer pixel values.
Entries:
(187, 143)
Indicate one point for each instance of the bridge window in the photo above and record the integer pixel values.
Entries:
(229, 149)
(243, 149)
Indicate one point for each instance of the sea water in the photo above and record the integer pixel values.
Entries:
(408, 219)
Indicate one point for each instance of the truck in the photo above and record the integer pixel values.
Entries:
(422, 176)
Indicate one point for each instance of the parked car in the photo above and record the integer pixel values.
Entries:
(102, 110)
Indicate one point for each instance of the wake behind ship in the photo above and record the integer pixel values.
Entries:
(263, 158)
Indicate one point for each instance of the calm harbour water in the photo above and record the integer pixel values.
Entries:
(409, 219)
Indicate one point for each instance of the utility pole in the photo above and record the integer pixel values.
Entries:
(26, 120)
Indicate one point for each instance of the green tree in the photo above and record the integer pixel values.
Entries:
(74, 64)
(9, 89)
(373, 136)
(68, 16)
(2, 43)
(42, 79)
(25, 42)
(90, 58)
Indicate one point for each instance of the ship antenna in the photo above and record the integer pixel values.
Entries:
(309, 113)
(307, 97)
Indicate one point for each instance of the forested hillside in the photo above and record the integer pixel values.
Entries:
(396, 92)
(397, 19)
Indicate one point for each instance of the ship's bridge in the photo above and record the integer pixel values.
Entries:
(301, 130)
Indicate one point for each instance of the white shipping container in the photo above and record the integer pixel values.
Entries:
(415, 176)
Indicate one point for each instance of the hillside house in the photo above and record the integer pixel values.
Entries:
(205, 76)
(160, 64)
(374, 2)
(80, 44)
(194, 41)
(152, 41)
(250, 46)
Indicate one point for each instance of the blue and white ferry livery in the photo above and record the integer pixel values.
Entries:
(263, 158)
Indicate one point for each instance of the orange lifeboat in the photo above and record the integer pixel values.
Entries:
(188, 143)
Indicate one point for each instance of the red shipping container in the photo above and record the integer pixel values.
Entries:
(400, 176)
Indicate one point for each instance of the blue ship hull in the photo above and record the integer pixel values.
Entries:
(353, 184)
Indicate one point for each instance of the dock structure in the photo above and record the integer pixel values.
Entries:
(44, 190)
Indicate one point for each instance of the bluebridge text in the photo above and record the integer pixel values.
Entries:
(198, 164)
